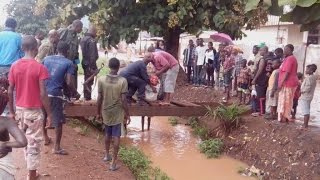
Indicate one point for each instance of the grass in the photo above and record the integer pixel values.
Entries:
(101, 60)
(229, 116)
(212, 148)
(140, 165)
(173, 121)
(197, 129)
(84, 130)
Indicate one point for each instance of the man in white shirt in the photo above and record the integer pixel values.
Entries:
(200, 61)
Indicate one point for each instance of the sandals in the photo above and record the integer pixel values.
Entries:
(255, 114)
(47, 143)
(107, 158)
(60, 152)
(113, 167)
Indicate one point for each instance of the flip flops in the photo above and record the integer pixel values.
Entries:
(47, 143)
(107, 158)
(113, 167)
(60, 152)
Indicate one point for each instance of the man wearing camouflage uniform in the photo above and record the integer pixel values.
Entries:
(90, 56)
(48, 48)
(70, 36)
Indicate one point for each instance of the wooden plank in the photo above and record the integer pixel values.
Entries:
(84, 110)
(184, 103)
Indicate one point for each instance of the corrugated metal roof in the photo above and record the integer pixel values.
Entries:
(275, 20)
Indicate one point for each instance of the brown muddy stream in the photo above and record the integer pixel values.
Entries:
(175, 151)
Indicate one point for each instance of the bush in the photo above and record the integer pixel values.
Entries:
(229, 116)
(173, 121)
(212, 148)
(202, 132)
(140, 165)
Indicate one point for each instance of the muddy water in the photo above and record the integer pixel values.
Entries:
(174, 150)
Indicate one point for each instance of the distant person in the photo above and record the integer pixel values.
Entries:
(279, 54)
(137, 78)
(288, 83)
(209, 60)
(260, 80)
(243, 82)
(218, 61)
(272, 91)
(200, 62)
(28, 77)
(255, 57)
(113, 108)
(8, 128)
(166, 65)
(90, 55)
(296, 96)
(70, 36)
(40, 35)
(189, 59)
(228, 66)
(307, 92)
(61, 72)
(237, 67)
(160, 46)
(10, 46)
(48, 48)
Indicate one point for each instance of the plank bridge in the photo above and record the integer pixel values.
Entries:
(176, 108)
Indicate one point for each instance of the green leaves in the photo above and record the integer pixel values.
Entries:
(251, 4)
(306, 3)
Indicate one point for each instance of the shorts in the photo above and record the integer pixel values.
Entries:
(227, 78)
(244, 88)
(272, 101)
(171, 78)
(114, 131)
(56, 105)
(305, 106)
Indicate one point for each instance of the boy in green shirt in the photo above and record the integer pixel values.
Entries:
(113, 108)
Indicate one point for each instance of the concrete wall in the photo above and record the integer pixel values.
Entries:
(295, 37)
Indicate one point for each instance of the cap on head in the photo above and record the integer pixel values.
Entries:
(11, 23)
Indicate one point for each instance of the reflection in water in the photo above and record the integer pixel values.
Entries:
(175, 151)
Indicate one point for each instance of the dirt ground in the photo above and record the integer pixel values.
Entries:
(282, 151)
(83, 162)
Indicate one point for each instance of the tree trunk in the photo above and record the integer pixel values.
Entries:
(172, 43)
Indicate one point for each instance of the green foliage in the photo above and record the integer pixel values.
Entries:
(228, 116)
(173, 121)
(24, 12)
(140, 165)
(197, 129)
(212, 148)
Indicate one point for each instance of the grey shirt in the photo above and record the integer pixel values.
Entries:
(308, 87)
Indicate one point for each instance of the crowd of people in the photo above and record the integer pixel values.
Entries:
(270, 79)
(37, 79)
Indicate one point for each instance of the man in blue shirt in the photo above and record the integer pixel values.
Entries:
(137, 77)
(10, 46)
(61, 71)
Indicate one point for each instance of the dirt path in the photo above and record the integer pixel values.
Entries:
(84, 161)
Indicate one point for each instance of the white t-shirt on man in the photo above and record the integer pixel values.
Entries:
(201, 54)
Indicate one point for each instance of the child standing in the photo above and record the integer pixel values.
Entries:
(228, 66)
(272, 94)
(113, 107)
(307, 91)
(243, 82)
(297, 95)
(27, 77)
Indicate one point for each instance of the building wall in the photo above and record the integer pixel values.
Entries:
(295, 37)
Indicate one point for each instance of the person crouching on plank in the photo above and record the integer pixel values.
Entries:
(165, 64)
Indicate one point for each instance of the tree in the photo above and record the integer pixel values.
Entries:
(304, 12)
(124, 19)
(24, 12)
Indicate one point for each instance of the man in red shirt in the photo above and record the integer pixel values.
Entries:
(165, 64)
(27, 77)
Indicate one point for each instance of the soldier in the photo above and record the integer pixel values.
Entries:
(48, 48)
(90, 56)
(70, 36)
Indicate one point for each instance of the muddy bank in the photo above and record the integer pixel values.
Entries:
(83, 162)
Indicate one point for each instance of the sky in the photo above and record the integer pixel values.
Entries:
(3, 13)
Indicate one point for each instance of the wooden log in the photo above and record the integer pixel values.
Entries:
(85, 110)
(184, 103)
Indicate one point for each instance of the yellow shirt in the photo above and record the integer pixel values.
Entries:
(272, 79)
